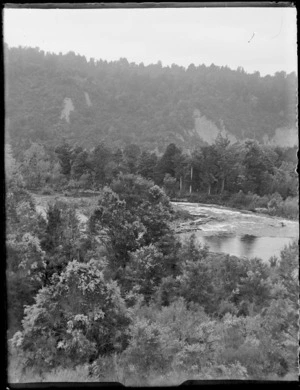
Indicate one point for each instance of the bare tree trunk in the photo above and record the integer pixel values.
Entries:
(180, 184)
(223, 185)
(209, 188)
(191, 179)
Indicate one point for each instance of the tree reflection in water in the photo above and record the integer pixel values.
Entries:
(244, 246)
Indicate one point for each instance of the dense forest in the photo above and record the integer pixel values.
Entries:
(50, 96)
(242, 175)
(118, 295)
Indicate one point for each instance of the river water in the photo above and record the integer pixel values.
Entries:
(244, 246)
(243, 234)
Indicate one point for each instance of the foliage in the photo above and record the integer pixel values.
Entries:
(24, 255)
(170, 185)
(152, 105)
(36, 166)
(179, 310)
(147, 164)
(145, 270)
(121, 231)
(135, 215)
(64, 155)
(76, 318)
(61, 237)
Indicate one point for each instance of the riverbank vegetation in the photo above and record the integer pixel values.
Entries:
(242, 175)
(122, 299)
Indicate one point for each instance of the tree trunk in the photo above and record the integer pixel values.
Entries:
(209, 187)
(222, 186)
(180, 184)
(191, 179)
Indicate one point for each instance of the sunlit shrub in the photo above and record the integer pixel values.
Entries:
(149, 347)
(47, 191)
(289, 208)
(76, 318)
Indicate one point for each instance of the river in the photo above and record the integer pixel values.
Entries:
(239, 233)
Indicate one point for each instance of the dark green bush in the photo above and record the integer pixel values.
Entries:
(47, 191)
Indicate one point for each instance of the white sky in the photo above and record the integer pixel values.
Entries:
(172, 35)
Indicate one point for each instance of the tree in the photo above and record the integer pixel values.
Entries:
(168, 162)
(170, 185)
(131, 154)
(183, 170)
(133, 214)
(146, 165)
(121, 231)
(204, 160)
(225, 159)
(61, 238)
(81, 165)
(284, 180)
(148, 202)
(25, 258)
(36, 166)
(101, 156)
(196, 275)
(76, 318)
(64, 154)
(144, 270)
(257, 163)
(13, 177)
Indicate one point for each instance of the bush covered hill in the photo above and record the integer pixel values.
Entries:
(50, 97)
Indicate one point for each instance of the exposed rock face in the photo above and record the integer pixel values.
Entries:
(207, 130)
(68, 107)
(283, 137)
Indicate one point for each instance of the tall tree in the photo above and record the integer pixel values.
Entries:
(168, 162)
(101, 156)
(81, 164)
(64, 153)
(204, 160)
(225, 159)
(131, 154)
(146, 164)
(35, 166)
(257, 163)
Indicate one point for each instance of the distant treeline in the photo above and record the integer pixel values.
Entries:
(122, 103)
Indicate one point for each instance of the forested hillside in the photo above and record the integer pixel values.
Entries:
(50, 97)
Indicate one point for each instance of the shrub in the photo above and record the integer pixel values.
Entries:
(47, 191)
(144, 270)
(262, 201)
(275, 200)
(75, 319)
(181, 214)
(194, 198)
(149, 348)
(289, 208)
